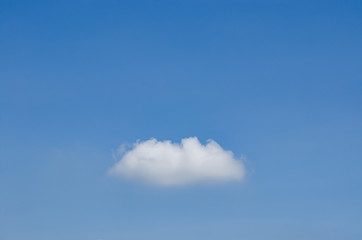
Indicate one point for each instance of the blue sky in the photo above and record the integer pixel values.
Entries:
(277, 81)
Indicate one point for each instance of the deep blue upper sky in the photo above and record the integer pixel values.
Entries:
(277, 81)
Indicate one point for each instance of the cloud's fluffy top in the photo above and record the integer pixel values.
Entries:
(167, 163)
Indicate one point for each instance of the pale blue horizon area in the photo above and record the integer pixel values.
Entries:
(277, 81)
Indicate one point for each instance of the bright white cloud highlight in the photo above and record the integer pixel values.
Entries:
(166, 163)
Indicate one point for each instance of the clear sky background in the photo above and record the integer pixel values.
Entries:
(277, 81)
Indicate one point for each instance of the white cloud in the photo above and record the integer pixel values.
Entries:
(166, 163)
